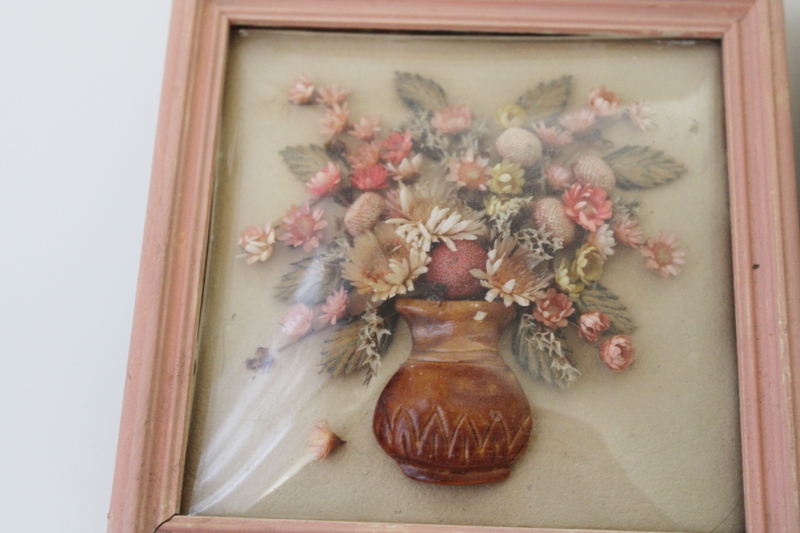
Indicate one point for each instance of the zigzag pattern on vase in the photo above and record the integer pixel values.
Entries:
(462, 443)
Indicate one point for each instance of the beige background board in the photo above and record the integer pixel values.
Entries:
(655, 448)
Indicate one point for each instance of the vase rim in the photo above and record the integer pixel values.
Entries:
(497, 310)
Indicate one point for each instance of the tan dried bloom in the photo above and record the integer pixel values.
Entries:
(509, 275)
(431, 216)
(322, 441)
(383, 264)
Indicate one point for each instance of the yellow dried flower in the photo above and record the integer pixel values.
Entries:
(510, 115)
(588, 264)
(507, 178)
(568, 280)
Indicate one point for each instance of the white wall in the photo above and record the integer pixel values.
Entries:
(79, 90)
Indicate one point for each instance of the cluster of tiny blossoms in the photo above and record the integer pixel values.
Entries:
(537, 177)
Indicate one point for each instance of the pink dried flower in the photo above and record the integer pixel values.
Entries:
(334, 308)
(469, 171)
(370, 178)
(604, 102)
(628, 232)
(559, 177)
(603, 240)
(257, 242)
(617, 352)
(332, 96)
(298, 321)
(552, 135)
(661, 254)
(334, 120)
(301, 91)
(452, 119)
(578, 121)
(591, 326)
(408, 168)
(640, 113)
(322, 441)
(366, 128)
(587, 205)
(326, 181)
(553, 309)
(396, 146)
(365, 155)
(302, 227)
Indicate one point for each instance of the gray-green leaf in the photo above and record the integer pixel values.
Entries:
(599, 298)
(641, 167)
(547, 99)
(418, 92)
(310, 281)
(543, 353)
(305, 161)
(342, 354)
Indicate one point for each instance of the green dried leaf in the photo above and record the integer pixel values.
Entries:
(543, 353)
(305, 161)
(641, 167)
(310, 281)
(342, 354)
(599, 298)
(418, 92)
(547, 99)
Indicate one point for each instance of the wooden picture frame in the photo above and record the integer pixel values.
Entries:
(765, 235)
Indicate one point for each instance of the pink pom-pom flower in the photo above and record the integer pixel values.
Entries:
(298, 322)
(553, 309)
(303, 227)
(617, 352)
(587, 206)
(370, 178)
(332, 96)
(322, 441)
(334, 120)
(396, 147)
(604, 102)
(334, 308)
(452, 119)
(366, 128)
(591, 326)
(326, 181)
(302, 91)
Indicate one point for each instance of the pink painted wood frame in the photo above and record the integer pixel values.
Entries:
(766, 240)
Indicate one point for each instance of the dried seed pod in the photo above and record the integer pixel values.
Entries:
(452, 268)
(549, 215)
(593, 170)
(519, 146)
(364, 213)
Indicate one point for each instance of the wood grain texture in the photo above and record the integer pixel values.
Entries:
(148, 477)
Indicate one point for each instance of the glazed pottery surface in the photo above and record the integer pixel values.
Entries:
(454, 413)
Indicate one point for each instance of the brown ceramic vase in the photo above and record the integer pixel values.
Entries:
(454, 413)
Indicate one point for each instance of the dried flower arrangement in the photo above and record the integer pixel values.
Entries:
(446, 205)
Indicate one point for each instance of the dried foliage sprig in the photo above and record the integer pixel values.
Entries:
(543, 354)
